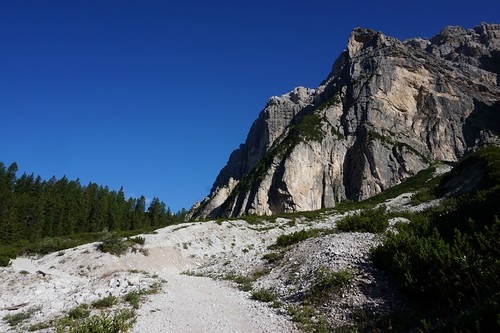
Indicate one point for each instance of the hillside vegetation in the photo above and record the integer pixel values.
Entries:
(447, 260)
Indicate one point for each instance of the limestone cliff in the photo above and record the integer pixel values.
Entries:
(387, 110)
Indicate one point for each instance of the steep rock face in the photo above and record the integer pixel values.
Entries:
(385, 112)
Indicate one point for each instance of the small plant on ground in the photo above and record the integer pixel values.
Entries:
(327, 281)
(264, 295)
(133, 298)
(273, 257)
(99, 323)
(373, 220)
(309, 319)
(113, 245)
(79, 312)
(138, 240)
(16, 319)
(245, 283)
(299, 236)
(105, 302)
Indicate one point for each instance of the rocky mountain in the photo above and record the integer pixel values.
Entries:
(387, 110)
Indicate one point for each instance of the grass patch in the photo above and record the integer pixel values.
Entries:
(80, 312)
(373, 220)
(299, 236)
(245, 283)
(138, 240)
(16, 319)
(133, 298)
(99, 323)
(264, 295)
(105, 302)
(309, 319)
(273, 257)
(327, 281)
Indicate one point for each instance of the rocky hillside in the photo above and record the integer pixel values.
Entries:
(387, 110)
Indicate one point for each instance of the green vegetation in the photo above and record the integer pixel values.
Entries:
(327, 281)
(118, 246)
(105, 302)
(99, 323)
(309, 319)
(373, 220)
(264, 295)
(81, 311)
(16, 319)
(133, 298)
(245, 283)
(422, 182)
(272, 257)
(138, 240)
(38, 216)
(446, 261)
(299, 236)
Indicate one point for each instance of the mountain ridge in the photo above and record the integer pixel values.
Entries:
(387, 110)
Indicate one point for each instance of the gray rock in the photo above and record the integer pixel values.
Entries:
(386, 111)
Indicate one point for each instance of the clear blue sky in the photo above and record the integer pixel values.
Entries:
(154, 95)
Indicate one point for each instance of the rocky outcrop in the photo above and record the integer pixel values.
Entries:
(387, 110)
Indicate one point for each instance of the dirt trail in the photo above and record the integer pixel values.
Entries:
(185, 304)
(198, 304)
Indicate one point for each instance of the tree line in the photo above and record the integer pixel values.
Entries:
(32, 209)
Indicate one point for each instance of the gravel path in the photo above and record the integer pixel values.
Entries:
(198, 304)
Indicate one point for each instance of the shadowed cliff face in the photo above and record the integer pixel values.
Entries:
(387, 110)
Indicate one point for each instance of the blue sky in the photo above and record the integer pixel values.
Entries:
(154, 95)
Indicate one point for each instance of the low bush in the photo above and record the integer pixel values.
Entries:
(299, 236)
(16, 319)
(113, 245)
(138, 240)
(81, 311)
(99, 323)
(105, 302)
(273, 256)
(447, 261)
(373, 220)
(309, 319)
(264, 295)
(327, 281)
(133, 298)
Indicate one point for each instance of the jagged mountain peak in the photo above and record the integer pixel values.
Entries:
(362, 38)
(387, 110)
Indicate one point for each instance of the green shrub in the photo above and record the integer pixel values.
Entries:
(113, 245)
(326, 281)
(273, 256)
(264, 295)
(299, 236)
(447, 261)
(100, 323)
(16, 319)
(138, 240)
(133, 298)
(373, 220)
(7, 253)
(79, 312)
(245, 283)
(105, 302)
(309, 319)
(4, 261)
